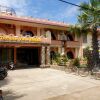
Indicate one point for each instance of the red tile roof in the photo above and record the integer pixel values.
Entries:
(34, 20)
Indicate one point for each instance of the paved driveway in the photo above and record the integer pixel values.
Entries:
(41, 84)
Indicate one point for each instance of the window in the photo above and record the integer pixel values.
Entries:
(53, 37)
(28, 33)
(70, 55)
(70, 37)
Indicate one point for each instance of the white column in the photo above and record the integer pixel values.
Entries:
(81, 49)
(76, 38)
(42, 31)
(63, 50)
(38, 31)
(48, 56)
(59, 50)
(77, 53)
(18, 30)
(42, 56)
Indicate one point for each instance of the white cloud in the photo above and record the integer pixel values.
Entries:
(69, 12)
(19, 5)
(15, 3)
(22, 7)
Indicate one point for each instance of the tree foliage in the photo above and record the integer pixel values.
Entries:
(89, 19)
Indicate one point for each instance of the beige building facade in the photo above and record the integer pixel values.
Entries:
(29, 41)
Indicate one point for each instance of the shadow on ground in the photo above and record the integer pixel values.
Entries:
(4, 82)
(9, 95)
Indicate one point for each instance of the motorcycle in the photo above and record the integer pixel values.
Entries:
(1, 97)
(3, 72)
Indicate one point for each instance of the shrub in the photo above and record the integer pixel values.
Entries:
(76, 62)
(88, 54)
(61, 59)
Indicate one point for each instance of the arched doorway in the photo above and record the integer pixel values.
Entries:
(28, 56)
(70, 55)
(52, 56)
(53, 37)
(70, 37)
(28, 33)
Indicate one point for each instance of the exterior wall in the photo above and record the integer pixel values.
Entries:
(55, 49)
(7, 29)
(61, 44)
(89, 41)
(64, 45)
(33, 29)
(56, 45)
(16, 30)
(38, 31)
(84, 45)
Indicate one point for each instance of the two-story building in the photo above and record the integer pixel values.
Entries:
(30, 41)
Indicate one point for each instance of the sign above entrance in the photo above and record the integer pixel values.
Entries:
(17, 39)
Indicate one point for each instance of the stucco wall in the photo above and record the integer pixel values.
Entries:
(7, 29)
(89, 41)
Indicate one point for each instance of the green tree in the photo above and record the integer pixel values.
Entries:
(89, 21)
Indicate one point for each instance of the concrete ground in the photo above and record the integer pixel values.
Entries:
(48, 84)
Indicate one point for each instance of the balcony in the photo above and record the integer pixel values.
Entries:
(56, 42)
(24, 40)
(72, 44)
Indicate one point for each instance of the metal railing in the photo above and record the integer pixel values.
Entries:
(56, 42)
(23, 39)
(72, 44)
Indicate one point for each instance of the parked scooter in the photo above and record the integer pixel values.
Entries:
(11, 66)
(3, 72)
(1, 97)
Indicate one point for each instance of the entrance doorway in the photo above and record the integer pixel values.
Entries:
(70, 55)
(28, 56)
(6, 55)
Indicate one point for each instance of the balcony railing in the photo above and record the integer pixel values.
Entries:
(72, 44)
(56, 42)
(17, 39)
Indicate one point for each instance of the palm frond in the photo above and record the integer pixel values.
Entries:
(84, 6)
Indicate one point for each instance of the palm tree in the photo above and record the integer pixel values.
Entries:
(89, 19)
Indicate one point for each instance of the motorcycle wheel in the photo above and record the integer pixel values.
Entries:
(2, 76)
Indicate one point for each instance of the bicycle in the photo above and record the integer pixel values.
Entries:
(70, 68)
(86, 71)
(83, 70)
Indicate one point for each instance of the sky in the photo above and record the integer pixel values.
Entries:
(45, 9)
